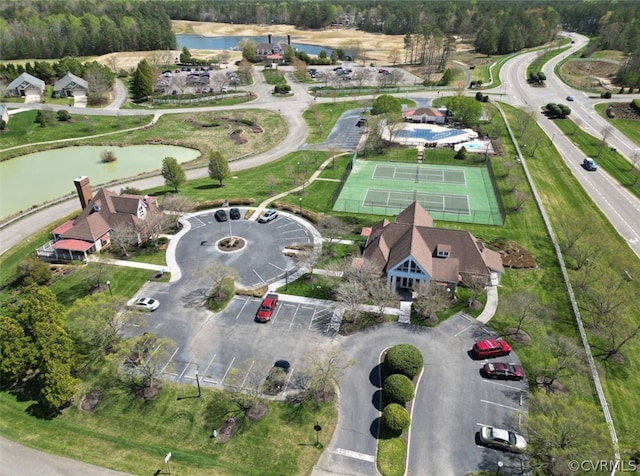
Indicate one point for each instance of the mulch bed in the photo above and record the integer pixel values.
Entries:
(625, 112)
(91, 400)
(514, 256)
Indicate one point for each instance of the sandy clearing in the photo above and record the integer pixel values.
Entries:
(378, 47)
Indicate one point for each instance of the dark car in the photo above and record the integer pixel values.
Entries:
(221, 215)
(502, 371)
(234, 214)
(485, 349)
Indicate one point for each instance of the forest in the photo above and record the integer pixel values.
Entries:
(41, 29)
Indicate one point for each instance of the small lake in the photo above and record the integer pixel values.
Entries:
(33, 179)
(197, 42)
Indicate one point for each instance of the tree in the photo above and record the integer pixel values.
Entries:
(397, 388)
(385, 104)
(381, 294)
(332, 227)
(17, 352)
(394, 56)
(218, 167)
(461, 154)
(404, 359)
(565, 430)
(107, 156)
(271, 181)
(145, 358)
(212, 278)
(325, 367)
(350, 295)
(396, 417)
(522, 305)
(101, 79)
(142, 82)
(32, 270)
(564, 358)
(248, 50)
(124, 237)
(429, 300)
(519, 199)
(477, 283)
(95, 323)
(607, 131)
(465, 109)
(177, 205)
(173, 173)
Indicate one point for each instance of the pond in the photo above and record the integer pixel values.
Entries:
(197, 42)
(36, 178)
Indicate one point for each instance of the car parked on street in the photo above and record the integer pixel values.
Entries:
(221, 215)
(144, 304)
(269, 304)
(486, 349)
(502, 439)
(503, 371)
(268, 216)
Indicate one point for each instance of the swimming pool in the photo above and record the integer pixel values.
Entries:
(428, 134)
(479, 146)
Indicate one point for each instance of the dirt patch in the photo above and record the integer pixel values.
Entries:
(514, 256)
(236, 136)
(257, 410)
(589, 73)
(519, 336)
(227, 430)
(91, 400)
(554, 386)
(150, 392)
(624, 111)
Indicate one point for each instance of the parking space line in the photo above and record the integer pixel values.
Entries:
(247, 376)
(259, 277)
(502, 385)
(185, 369)
(227, 371)
(503, 406)
(275, 314)
(277, 267)
(294, 316)
(170, 359)
(242, 308)
(209, 364)
(463, 330)
(291, 231)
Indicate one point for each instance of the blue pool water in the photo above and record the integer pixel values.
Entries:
(197, 42)
(428, 134)
(475, 145)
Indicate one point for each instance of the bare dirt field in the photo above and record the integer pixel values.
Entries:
(378, 47)
(589, 74)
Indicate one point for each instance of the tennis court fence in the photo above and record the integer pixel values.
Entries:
(496, 191)
(482, 217)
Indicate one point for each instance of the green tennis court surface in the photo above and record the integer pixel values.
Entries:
(450, 193)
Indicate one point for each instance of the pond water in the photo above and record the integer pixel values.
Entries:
(33, 179)
(197, 42)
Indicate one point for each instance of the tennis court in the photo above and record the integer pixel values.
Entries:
(416, 173)
(449, 193)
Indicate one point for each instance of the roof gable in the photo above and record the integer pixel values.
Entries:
(70, 81)
(25, 80)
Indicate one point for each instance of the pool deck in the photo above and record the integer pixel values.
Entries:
(461, 136)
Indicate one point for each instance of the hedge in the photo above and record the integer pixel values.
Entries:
(404, 359)
(396, 417)
(397, 388)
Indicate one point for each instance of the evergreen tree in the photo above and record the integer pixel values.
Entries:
(173, 173)
(218, 166)
(142, 82)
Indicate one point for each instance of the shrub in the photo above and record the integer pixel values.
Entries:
(606, 95)
(479, 96)
(32, 270)
(396, 417)
(404, 359)
(107, 156)
(397, 388)
(635, 104)
(64, 115)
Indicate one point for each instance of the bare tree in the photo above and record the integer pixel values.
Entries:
(477, 283)
(271, 181)
(180, 83)
(618, 333)
(519, 199)
(607, 131)
(566, 358)
(98, 83)
(325, 367)
(332, 227)
(512, 183)
(355, 49)
(325, 77)
(430, 298)
(213, 276)
(359, 76)
(307, 257)
(382, 295)
(394, 56)
(145, 359)
(219, 81)
(395, 77)
(350, 294)
(522, 305)
(124, 238)
(570, 228)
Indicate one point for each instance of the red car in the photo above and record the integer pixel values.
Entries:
(267, 307)
(503, 371)
(485, 349)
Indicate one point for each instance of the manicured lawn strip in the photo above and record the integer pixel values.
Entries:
(546, 55)
(125, 282)
(317, 196)
(628, 127)
(129, 435)
(321, 117)
(393, 452)
(23, 130)
(561, 196)
(615, 165)
(335, 169)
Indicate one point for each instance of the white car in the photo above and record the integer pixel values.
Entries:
(502, 439)
(268, 216)
(570, 98)
(145, 304)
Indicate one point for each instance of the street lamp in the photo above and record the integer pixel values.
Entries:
(500, 465)
(298, 170)
(198, 383)
(300, 206)
(109, 286)
(317, 427)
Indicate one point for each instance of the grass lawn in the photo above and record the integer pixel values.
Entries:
(629, 128)
(129, 435)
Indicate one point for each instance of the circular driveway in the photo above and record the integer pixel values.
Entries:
(260, 262)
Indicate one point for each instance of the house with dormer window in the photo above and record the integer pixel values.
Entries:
(70, 85)
(27, 86)
(90, 231)
(411, 250)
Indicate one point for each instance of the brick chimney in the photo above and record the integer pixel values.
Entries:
(270, 38)
(84, 190)
(289, 40)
